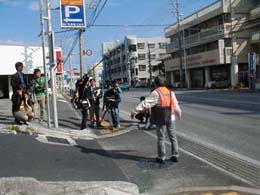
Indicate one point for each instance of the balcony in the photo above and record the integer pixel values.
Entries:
(205, 36)
(198, 17)
(255, 38)
(255, 13)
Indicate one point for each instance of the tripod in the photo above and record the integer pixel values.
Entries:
(108, 109)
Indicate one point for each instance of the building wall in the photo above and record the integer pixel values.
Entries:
(128, 61)
(217, 41)
(30, 56)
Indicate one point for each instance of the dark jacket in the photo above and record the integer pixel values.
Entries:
(17, 101)
(112, 98)
(16, 82)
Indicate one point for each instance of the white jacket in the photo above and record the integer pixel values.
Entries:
(154, 99)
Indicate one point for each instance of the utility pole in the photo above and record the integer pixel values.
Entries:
(52, 64)
(179, 39)
(44, 63)
(150, 67)
(81, 53)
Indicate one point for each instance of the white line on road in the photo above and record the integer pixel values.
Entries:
(212, 146)
(222, 100)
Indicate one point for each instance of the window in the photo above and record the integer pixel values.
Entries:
(132, 48)
(153, 56)
(142, 67)
(141, 45)
(141, 56)
(162, 55)
(151, 45)
(162, 45)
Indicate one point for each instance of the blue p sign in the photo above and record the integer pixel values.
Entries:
(73, 16)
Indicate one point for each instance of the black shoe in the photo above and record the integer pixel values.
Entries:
(159, 160)
(174, 159)
(26, 123)
(18, 122)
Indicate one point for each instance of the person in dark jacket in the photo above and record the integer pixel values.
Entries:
(18, 79)
(20, 108)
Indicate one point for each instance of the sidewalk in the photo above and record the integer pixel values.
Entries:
(69, 124)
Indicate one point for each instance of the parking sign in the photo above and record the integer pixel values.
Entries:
(72, 14)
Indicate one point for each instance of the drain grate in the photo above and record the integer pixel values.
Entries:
(239, 167)
(57, 140)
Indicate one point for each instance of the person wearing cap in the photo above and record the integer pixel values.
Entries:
(165, 109)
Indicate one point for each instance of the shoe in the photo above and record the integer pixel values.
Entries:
(26, 123)
(174, 159)
(159, 160)
(18, 122)
(91, 126)
(100, 126)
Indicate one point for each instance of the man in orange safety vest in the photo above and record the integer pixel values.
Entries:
(165, 109)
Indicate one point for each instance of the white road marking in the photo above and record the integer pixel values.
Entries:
(209, 145)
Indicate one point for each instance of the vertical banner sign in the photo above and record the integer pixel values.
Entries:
(221, 47)
(72, 14)
(252, 64)
(59, 62)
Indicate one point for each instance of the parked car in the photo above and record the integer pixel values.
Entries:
(124, 86)
(139, 85)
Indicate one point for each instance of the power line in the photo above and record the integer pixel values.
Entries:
(104, 4)
(129, 25)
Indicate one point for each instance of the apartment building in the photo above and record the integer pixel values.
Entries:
(129, 60)
(215, 41)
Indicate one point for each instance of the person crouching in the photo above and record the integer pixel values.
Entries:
(22, 112)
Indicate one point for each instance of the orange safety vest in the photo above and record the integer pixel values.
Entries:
(165, 98)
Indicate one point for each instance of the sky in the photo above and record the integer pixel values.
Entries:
(20, 23)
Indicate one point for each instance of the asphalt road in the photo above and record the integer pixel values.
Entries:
(129, 157)
(227, 120)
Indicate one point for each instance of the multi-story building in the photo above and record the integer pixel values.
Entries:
(215, 41)
(130, 60)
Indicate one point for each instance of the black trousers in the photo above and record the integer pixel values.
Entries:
(84, 119)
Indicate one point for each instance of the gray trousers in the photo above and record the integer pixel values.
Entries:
(161, 134)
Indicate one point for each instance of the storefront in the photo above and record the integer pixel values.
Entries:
(220, 75)
(197, 78)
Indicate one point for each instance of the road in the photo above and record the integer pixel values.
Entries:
(226, 120)
(130, 157)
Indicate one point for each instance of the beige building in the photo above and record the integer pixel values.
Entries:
(217, 41)
(128, 61)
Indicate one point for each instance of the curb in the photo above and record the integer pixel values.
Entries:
(31, 186)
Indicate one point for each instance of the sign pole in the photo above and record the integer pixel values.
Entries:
(44, 63)
(52, 64)
(81, 53)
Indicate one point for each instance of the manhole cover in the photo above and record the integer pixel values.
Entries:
(57, 140)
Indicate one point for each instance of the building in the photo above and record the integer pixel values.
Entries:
(129, 60)
(96, 71)
(215, 42)
(30, 56)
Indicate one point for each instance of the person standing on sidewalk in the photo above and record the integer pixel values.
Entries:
(38, 85)
(94, 96)
(165, 108)
(18, 79)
